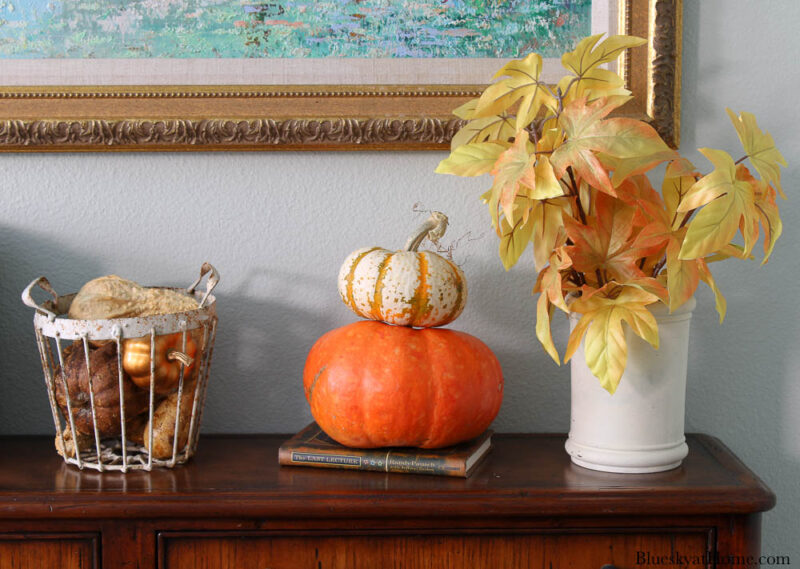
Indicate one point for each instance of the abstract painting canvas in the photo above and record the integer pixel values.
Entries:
(283, 41)
(258, 74)
(290, 28)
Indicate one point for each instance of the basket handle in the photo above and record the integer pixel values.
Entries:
(213, 280)
(43, 284)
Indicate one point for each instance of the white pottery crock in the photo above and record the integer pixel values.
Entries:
(639, 429)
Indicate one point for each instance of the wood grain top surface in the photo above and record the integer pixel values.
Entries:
(238, 475)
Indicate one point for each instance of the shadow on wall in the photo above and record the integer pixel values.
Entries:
(502, 313)
(256, 383)
(25, 256)
(256, 374)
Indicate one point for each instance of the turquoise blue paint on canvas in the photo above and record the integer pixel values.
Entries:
(290, 28)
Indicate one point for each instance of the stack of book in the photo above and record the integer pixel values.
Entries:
(312, 447)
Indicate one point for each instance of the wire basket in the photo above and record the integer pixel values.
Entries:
(103, 419)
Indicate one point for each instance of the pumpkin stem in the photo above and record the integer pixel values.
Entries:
(185, 359)
(433, 228)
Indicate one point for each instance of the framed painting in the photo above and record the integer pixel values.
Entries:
(91, 75)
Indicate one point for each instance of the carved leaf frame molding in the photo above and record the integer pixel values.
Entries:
(385, 117)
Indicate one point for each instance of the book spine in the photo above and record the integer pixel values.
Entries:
(377, 461)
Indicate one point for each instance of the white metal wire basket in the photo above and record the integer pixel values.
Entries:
(100, 427)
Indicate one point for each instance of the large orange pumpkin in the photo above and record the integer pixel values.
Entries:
(372, 384)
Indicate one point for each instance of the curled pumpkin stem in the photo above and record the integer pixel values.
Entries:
(185, 359)
(433, 228)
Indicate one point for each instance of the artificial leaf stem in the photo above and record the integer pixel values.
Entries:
(577, 195)
(658, 266)
(686, 218)
(600, 280)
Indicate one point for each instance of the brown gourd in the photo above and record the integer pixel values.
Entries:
(74, 379)
(67, 450)
(163, 424)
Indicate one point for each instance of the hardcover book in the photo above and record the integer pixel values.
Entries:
(312, 447)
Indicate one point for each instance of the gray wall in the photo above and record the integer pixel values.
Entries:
(277, 225)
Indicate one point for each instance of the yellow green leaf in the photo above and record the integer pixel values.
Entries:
(514, 239)
(467, 110)
(730, 250)
(624, 168)
(472, 159)
(682, 276)
(595, 84)
(649, 285)
(605, 346)
(550, 282)
(715, 225)
(586, 56)
(550, 138)
(713, 185)
(585, 60)
(680, 166)
(547, 185)
(726, 204)
(549, 285)
(522, 81)
(706, 277)
(544, 315)
(548, 220)
(588, 133)
(766, 208)
(492, 199)
(772, 224)
(600, 327)
(513, 169)
(493, 129)
(576, 337)
(760, 148)
(673, 190)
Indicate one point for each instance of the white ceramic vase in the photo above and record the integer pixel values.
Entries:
(639, 429)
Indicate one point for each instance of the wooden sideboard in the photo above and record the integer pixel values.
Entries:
(232, 506)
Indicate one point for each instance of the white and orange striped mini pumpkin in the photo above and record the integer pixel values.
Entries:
(407, 287)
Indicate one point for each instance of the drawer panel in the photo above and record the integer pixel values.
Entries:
(478, 550)
(48, 551)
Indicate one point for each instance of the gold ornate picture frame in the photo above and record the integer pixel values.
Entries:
(39, 118)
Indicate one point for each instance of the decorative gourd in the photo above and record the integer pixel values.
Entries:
(104, 392)
(371, 385)
(170, 356)
(164, 425)
(114, 297)
(408, 287)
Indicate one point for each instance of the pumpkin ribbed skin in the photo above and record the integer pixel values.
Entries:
(370, 384)
(407, 288)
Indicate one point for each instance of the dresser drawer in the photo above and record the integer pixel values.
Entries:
(48, 551)
(668, 549)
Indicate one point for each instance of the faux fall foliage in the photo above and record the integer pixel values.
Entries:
(572, 181)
